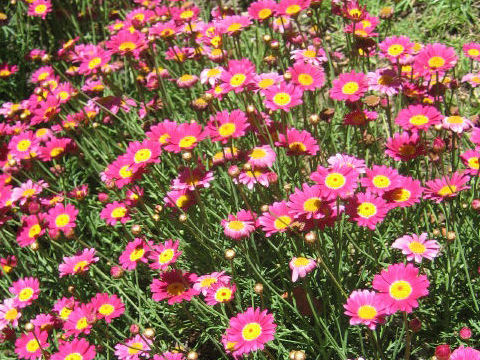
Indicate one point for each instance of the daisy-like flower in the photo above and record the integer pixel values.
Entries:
(240, 225)
(180, 199)
(475, 136)
(133, 348)
(465, 353)
(164, 255)
(80, 320)
(186, 137)
(473, 79)
(262, 9)
(7, 264)
(31, 230)
(446, 187)
(30, 345)
(418, 117)
(142, 153)
(108, 307)
(162, 131)
(224, 126)
(126, 42)
(255, 176)
(385, 81)
(366, 210)
(251, 330)
(417, 247)
(174, 285)
(220, 293)
(7, 70)
(457, 124)
(64, 307)
(26, 290)
(45, 322)
(278, 218)
(238, 75)
(307, 76)
(283, 96)
(211, 76)
(192, 179)
(39, 8)
(232, 25)
(266, 80)
(204, 283)
(336, 181)
(380, 179)
(434, 58)
(187, 80)
(472, 50)
(27, 191)
(93, 60)
(470, 159)
(298, 142)
(310, 55)
(9, 314)
(301, 266)
(55, 148)
(24, 145)
(261, 156)
(404, 146)
(356, 164)
(77, 264)
(349, 86)
(135, 252)
(400, 286)
(77, 349)
(62, 218)
(291, 7)
(407, 193)
(365, 307)
(115, 212)
(121, 171)
(310, 202)
(396, 48)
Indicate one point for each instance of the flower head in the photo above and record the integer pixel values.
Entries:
(417, 247)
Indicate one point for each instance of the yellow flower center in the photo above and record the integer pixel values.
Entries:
(350, 88)
(436, 62)
(237, 79)
(135, 348)
(119, 212)
(82, 323)
(264, 13)
(176, 288)
(80, 266)
(282, 222)
(258, 153)
(65, 312)
(223, 294)
(164, 138)
(366, 312)
(207, 282)
(455, 120)
(309, 53)
(312, 204)
(127, 46)
(11, 314)
(305, 79)
(5, 72)
(187, 14)
(385, 80)
(137, 254)
(28, 193)
(40, 9)
(43, 76)
(23, 145)
(282, 98)
(366, 209)
(142, 155)
(335, 181)
(265, 83)
(106, 309)
(213, 72)
(473, 163)
(94, 62)
(400, 290)
(186, 77)
(447, 190)
(395, 50)
(62, 220)
(34, 231)
(187, 141)
(251, 331)
(234, 27)
(227, 129)
(165, 256)
(418, 120)
(416, 247)
(182, 201)
(56, 151)
(73, 356)
(293, 9)
(32, 346)
(297, 146)
(125, 172)
(236, 225)
(381, 181)
(301, 261)
(473, 52)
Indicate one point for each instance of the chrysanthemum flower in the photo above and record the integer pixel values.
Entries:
(472, 78)
(9, 314)
(301, 266)
(26, 290)
(407, 193)
(77, 349)
(27, 191)
(251, 330)
(356, 164)
(8, 263)
(396, 48)
(291, 7)
(277, 219)
(349, 86)
(30, 345)
(121, 171)
(281, 24)
(232, 25)
(164, 255)
(64, 307)
(380, 179)
(335, 181)
(434, 58)
(470, 159)
(224, 126)
(240, 225)
(220, 293)
(135, 252)
(366, 210)
(7, 70)
(107, 306)
(62, 218)
(238, 75)
(262, 9)
(133, 348)
(457, 124)
(78, 263)
(126, 42)
(24, 145)
(162, 131)
(418, 117)
(186, 137)
(307, 76)
(266, 80)
(446, 187)
(465, 353)
(211, 76)
(472, 50)
(205, 282)
(115, 212)
(298, 142)
(310, 55)
(80, 320)
(45, 322)
(310, 202)
(191, 179)
(404, 146)
(174, 285)
(385, 81)
(181, 199)
(92, 60)
(417, 247)
(283, 96)
(142, 153)
(39, 8)
(365, 307)
(261, 156)
(400, 286)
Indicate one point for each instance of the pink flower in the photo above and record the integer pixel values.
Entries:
(434, 58)
(306, 76)
(310, 202)
(135, 252)
(407, 193)
(417, 247)
(472, 50)
(298, 142)
(351, 161)
(192, 179)
(126, 42)
(186, 137)
(224, 126)
(205, 282)
(465, 353)
(9, 314)
(418, 117)
(283, 97)
(115, 212)
(396, 48)
(385, 81)
(404, 146)
(238, 75)
(446, 187)
(80, 320)
(457, 124)
(77, 264)
(174, 285)
(39, 8)
(108, 307)
(365, 307)
(336, 181)
(262, 9)
(301, 266)
(164, 255)
(251, 330)
(133, 348)
(232, 25)
(277, 219)
(310, 55)
(470, 159)
(30, 345)
(380, 179)
(349, 86)
(62, 218)
(76, 347)
(400, 286)
(240, 225)
(366, 209)
(220, 293)
(291, 7)
(140, 154)
(261, 156)
(26, 290)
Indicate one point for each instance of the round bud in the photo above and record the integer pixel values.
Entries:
(95, 125)
(183, 218)
(71, 289)
(134, 329)
(287, 76)
(267, 38)
(158, 208)
(247, 167)
(187, 156)
(136, 229)
(438, 127)
(11, 162)
(233, 171)
(156, 217)
(386, 12)
(287, 187)
(264, 208)
(476, 204)
(415, 324)
(208, 97)
(291, 355)
(310, 237)
(258, 288)
(309, 13)
(35, 246)
(435, 232)
(313, 119)
(442, 352)
(230, 254)
(451, 235)
(29, 327)
(250, 109)
(192, 355)
(149, 333)
(116, 272)
(300, 355)
(465, 333)
(163, 18)
(274, 45)
(444, 231)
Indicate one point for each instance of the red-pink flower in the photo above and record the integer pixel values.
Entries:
(62, 218)
(126, 42)
(80, 320)
(446, 187)
(396, 48)
(417, 247)
(366, 210)
(365, 307)
(115, 212)
(349, 86)
(133, 348)
(283, 96)
(262, 9)
(142, 153)
(407, 193)
(205, 282)
(470, 159)
(336, 181)
(238, 75)
(108, 307)
(472, 50)
(239, 225)
(435, 58)
(232, 25)
(174, 285)
(31, 345)
(418, 117)
(39, 8)
(220, 293)
(380, 179)
(307, 76)
(186, 137)
(298, 142)
(164, 255)
(404, 146)
(76, 349)
(310, 202)
(224, 126)
(135, 252)
(77, 264)
(400, 286)
(291, 7)
(261, 156)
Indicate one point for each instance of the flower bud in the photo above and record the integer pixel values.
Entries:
(442, 352)
(149, 333)
(134, 329)
(258, 288)
(465, 333)
(415, 324)
(116, 272)
(230, 254)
